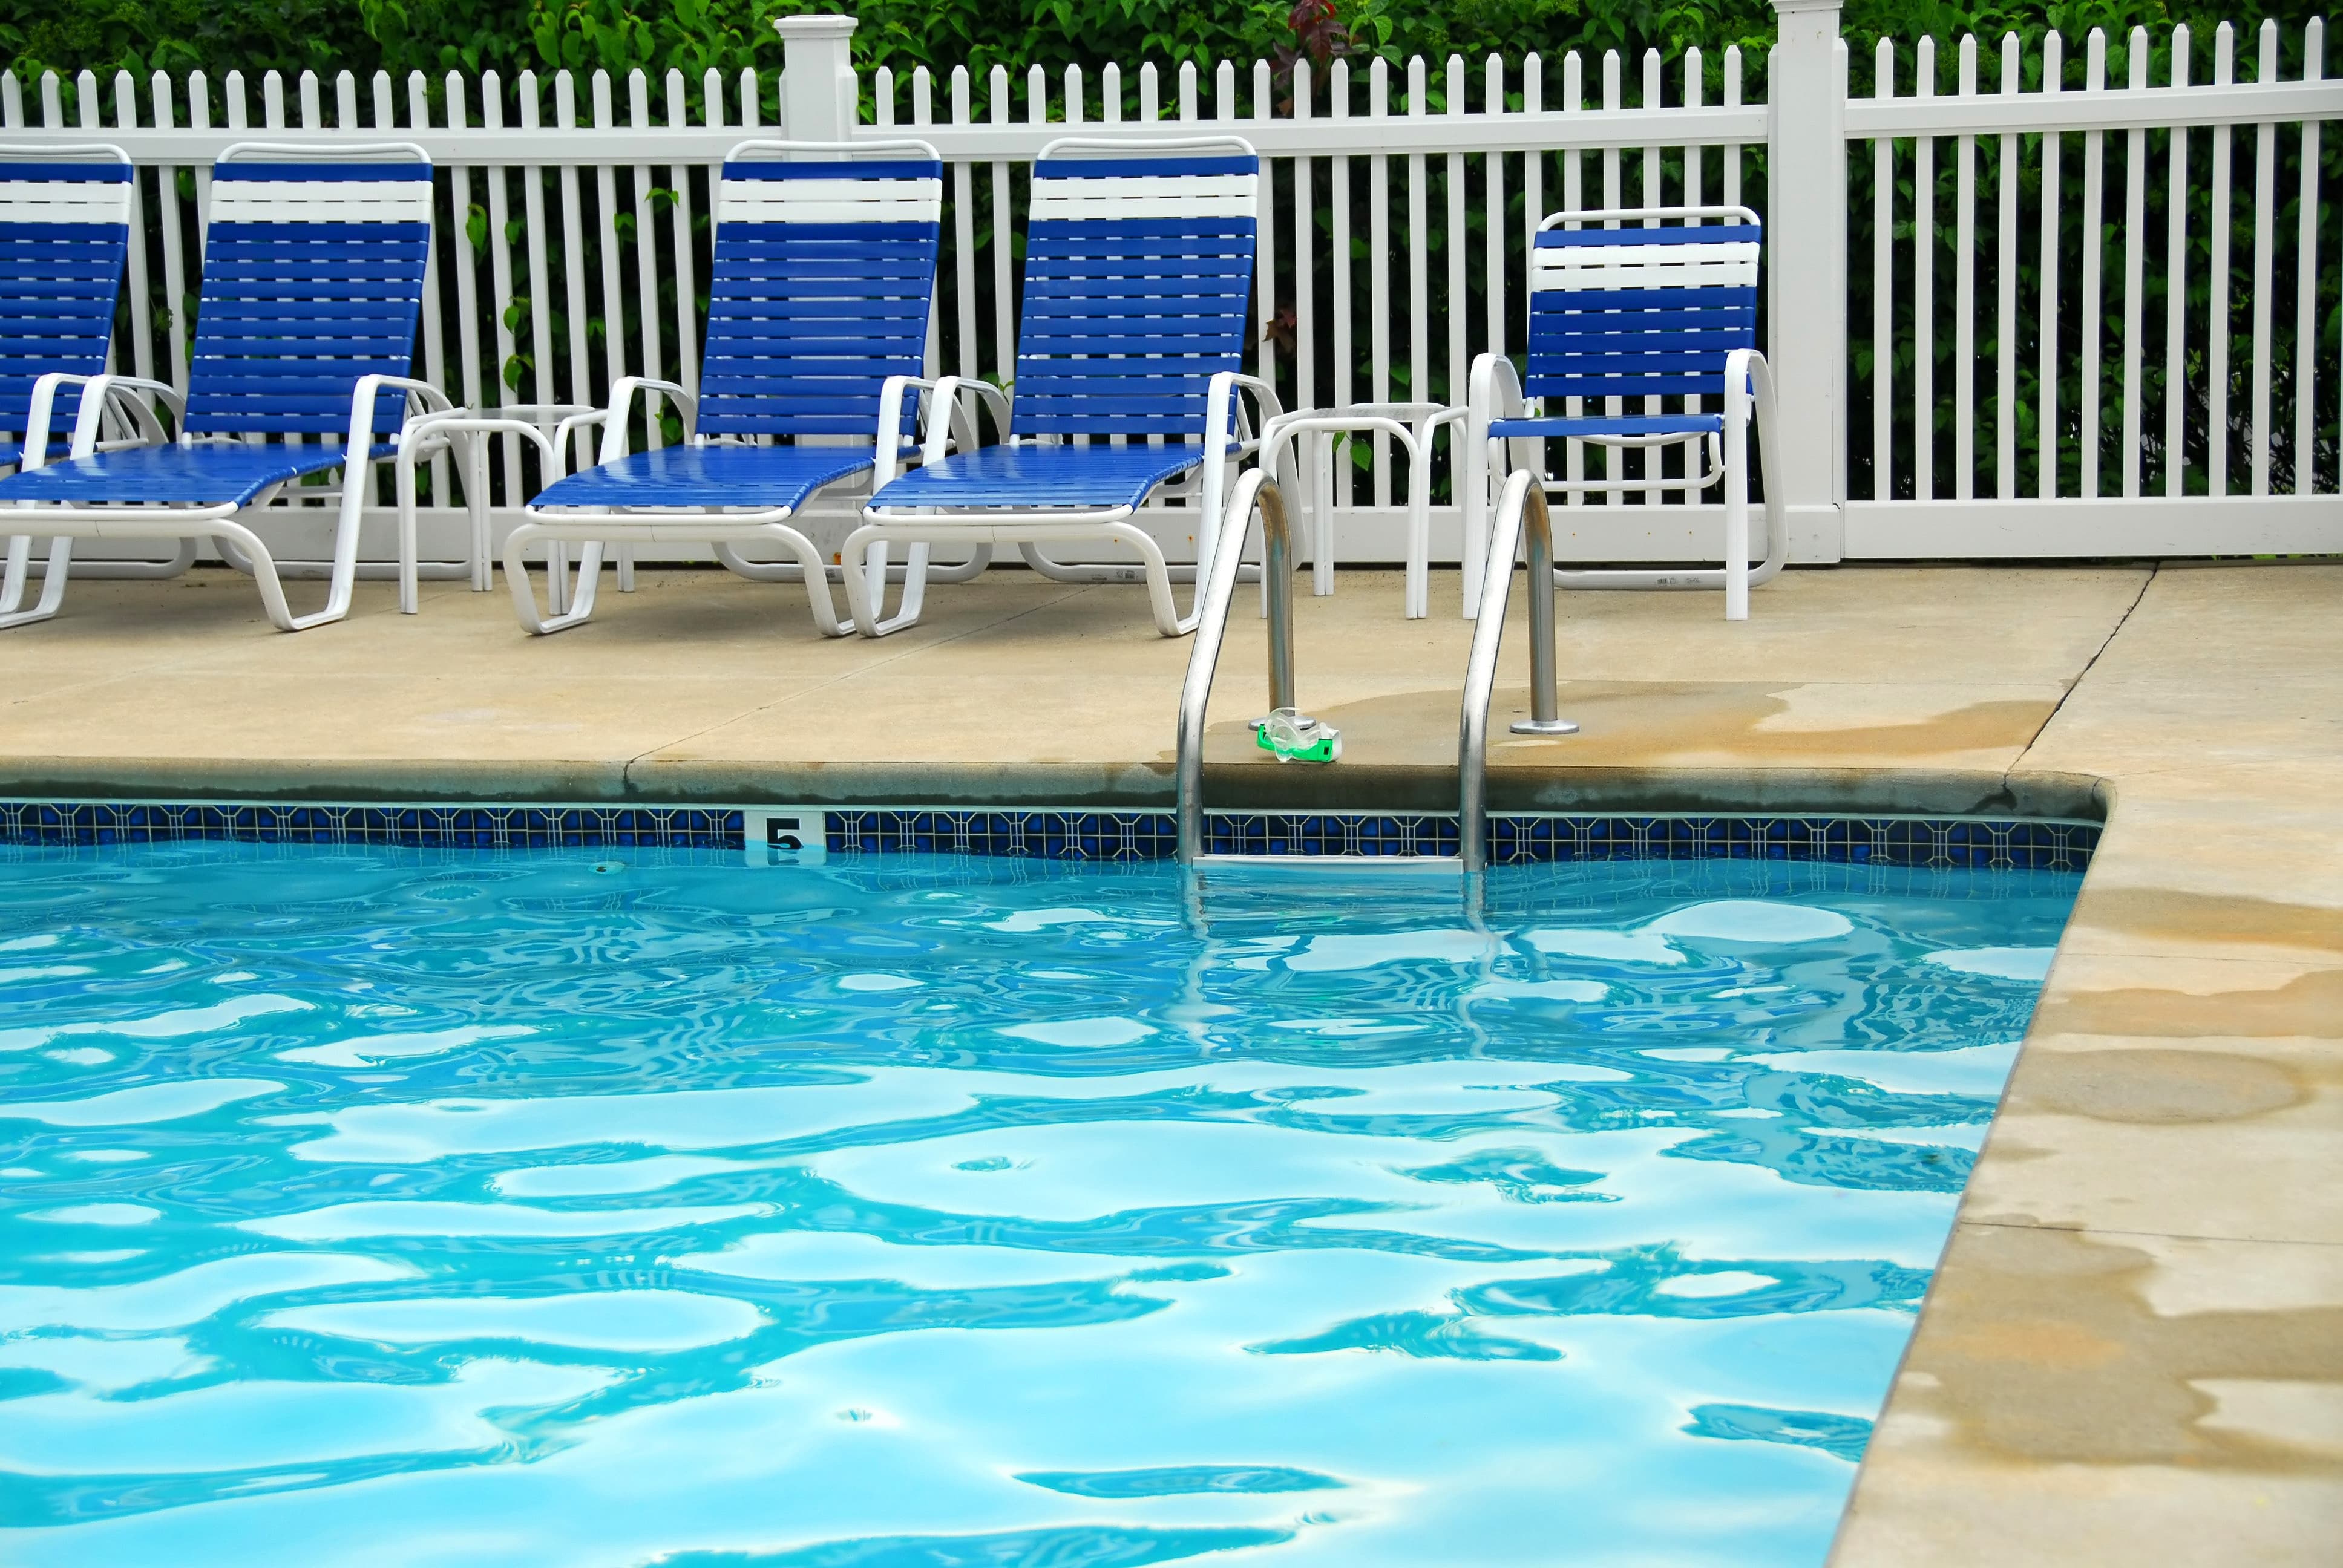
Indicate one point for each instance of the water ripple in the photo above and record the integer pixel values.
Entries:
(392, 1206)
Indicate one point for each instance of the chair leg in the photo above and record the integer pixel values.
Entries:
(1419, 527)
(344, 581)
(1165, 609)
(864, 563)
(1321, 518)
(403, 474)
(53, 583)
(20, 564)
(589, 575)
(1737, 519)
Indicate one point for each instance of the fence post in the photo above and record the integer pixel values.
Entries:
(820, 101)
(1805, 244)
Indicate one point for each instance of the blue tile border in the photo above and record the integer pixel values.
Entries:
(1080, 834)
(433, 827)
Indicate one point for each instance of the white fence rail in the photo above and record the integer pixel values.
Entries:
(2015, 361)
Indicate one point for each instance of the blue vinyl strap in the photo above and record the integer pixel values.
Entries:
(354, 172)
(1712, 234)
(68, 174)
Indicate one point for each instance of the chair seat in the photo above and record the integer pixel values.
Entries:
(229, 473)
(1034, 478)
(1595, 429)
(13, 452)
(765, 477)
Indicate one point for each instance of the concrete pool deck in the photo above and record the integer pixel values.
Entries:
(2133, 1350)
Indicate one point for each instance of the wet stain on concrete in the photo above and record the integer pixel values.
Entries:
(2161, 915)
(2040, 1346)
(2309, 1005)
(1654, 723)
(2153, 1087)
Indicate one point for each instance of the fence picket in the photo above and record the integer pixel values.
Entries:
(2306, 268)
(1379, 250)
(2093, 324)
(1305, 258)
(2135, 266)
(1883, 286)
(1964, 289)
(540, 278)
(2053, 65)
(175, 263)
(687, 288)
(2265, 237)
(2216, 369)
(2176, 288)
(1340, 263)
(2004, 328)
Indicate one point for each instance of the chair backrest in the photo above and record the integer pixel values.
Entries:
(64, 228)
(1630, 312)
(823, 270)
(313, 276)
(1139, 263)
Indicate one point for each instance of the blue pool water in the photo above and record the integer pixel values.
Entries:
(392, 1206)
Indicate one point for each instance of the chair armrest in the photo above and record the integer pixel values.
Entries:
(622, 395)
(1220, 399)
(1748, 378)
(955, 428)
(1493, 390)
(96, 392)
(947, 391)
(362, 401)
(1277, 436)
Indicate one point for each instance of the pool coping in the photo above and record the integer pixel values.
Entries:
(1228, 785)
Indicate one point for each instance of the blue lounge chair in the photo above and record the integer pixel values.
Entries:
(312, 282)
(64, 228)
(1630, 311)
(817, 331)
(1138, 265)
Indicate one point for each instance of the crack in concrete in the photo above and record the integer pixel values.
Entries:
(2085, 673)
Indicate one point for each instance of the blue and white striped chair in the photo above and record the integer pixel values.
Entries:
(1138, 265)
(817, 331)
(1619, 312)
(64, 228)
(312, 282)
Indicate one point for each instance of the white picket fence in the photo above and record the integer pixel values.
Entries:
(572, 246)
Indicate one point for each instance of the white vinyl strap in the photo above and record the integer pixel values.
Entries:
(1729, 265)
(1147, 196)
(321, 201)
(830, 201)
(65, 201)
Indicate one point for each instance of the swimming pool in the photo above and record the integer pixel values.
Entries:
(391, 1206)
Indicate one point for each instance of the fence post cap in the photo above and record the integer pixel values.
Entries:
(1794, 7)
(792, 28)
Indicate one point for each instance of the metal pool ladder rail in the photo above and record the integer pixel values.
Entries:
(1522, 503)
(1254, 490)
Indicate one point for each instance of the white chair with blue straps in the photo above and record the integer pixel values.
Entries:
(64, 228)
(817, 330)
(1642, 302)
(1138, 265)
(312, 285)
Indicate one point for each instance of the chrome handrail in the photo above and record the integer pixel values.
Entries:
(1255, 490)
(1523, 501)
